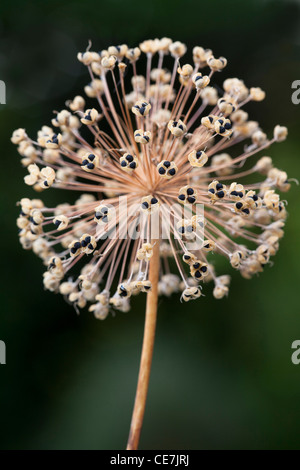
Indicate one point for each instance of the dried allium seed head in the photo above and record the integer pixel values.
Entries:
(172, 153)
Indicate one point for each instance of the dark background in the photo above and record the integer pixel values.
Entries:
(222, 375)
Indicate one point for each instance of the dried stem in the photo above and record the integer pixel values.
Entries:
(147, 353)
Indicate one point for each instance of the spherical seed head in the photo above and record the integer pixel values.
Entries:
(163, 159)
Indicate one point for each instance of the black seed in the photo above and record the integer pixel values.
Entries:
(211, 120)
(181, 230)
(154, 200)
(91, 166)
(203, 269)
(190, 191)
(191, 199)
(255, 198)
(219, 186)
(181, 197)
(198, 274)
(123, 163)
(132, 165)
(129, 158)
(85, 162)
(222, 130)
(87, 239)
(145, 205)
(90, 246)
(240, 194)
(220, 121)
(234, 193)
(239, 205)
(180, 127)
(196, 265)
(161, 171)
(172, 171)
(246, 211)
(167, 164)
(211, 191)
(220, 194)
(228, 125)
(91, 157)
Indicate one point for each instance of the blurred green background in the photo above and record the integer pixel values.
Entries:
(222, 375)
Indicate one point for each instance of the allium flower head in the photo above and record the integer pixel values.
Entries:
(144, 148)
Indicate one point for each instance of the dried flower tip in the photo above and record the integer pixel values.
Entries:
(146, 252)
(208, 246)
(189, 258)
(263, 165)
(149, 204)
(108, 63)
(88, 57)
(142, 137)
(94, 89)
(133, 54)
(185, 71)
(257, 94)
(236, 258)
(216, 190)
(90, 117)
(167, 169)
(75, 248)
(88, 243)
(220, 291)
(102, 214)
(124, 290)
(34, 173)
(191, 293)
(138, 83)
(142, 286)
(200, 81)
(226, 106)
(197, 158)
(36, 217)
(224, 161)
(77, 104)
(216, 65)
(128, 162)
(61, 222)
(201, 55)
(177, 128)
(223, 127)
(177, 49)
(141, 108)
(54, 142)
(209, 121)
(18, 136)
(280, 133)
(89, 162)
(236, 191)
(187, 195)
